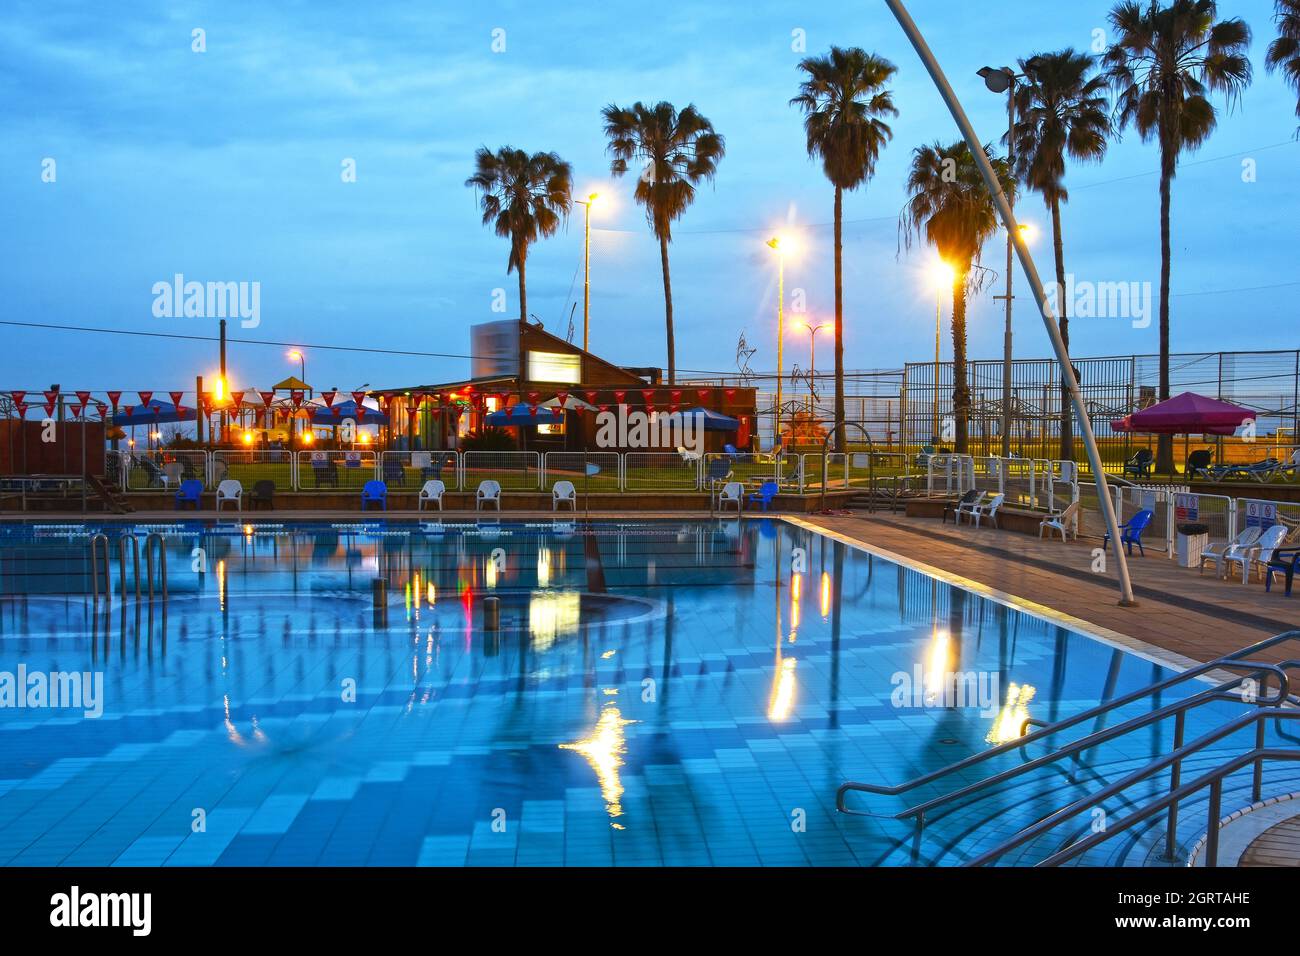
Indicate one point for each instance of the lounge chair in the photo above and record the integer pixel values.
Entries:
(230, 490)
(1200, 463)
(1285, 561)
(1261, 470)
(989, 510)
(1291, 468)
(263, 493)
(733, 492)
(717, 474)
(562, 492)
(489, 492)
(962, 505)
(1261, 554)
(374, 491)
(190, 491)
(1130, 532)
(152, 472)
(765, 494)
(1216, 551)
(1140, 464)
(432, 491)
(1062, 522)
(687, 455)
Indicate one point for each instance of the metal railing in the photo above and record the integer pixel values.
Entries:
(335, 470)
(1238, 660)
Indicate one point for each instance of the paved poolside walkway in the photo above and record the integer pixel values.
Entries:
(1190, 614)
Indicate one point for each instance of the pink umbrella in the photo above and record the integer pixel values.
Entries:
(1186, 414)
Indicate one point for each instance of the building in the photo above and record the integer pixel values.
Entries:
(560, 385)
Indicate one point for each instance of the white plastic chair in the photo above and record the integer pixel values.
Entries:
(489, 491)
(733, 492)
(171, 474)
(967, 508)
(1217, 552)
(432, 491)
(688, 456)
(562, 492)
(989, 510)
(1062, 522)
(230, 490)
(1261, 554)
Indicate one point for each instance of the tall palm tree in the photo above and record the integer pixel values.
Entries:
(1165, 62)
(843, 100)
(950, 208)
(678, 150)
(1284, 52)
(1062, 110)
(525, 198)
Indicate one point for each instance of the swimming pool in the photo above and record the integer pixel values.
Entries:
(657, 693)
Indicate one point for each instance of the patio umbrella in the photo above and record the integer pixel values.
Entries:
(320, 415)
(521, 416)
(710, 420)
(1186, 414)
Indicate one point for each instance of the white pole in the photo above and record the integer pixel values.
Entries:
(1035, 284)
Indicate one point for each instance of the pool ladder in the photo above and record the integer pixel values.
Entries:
(1281, 707)
(102, 572)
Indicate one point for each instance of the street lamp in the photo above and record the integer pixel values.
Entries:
(586, 265)
(302, 364)
(812, 345)
(780, 245)
(943, 276)
(1004, 81)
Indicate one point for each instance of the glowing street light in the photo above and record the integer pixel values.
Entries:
(943, 276)
(812, 344)
(781, 245)
(586, 265)
(298, 357)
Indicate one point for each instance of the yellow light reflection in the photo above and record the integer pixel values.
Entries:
(604, 750)
(1007, 724)
(552, 614)
(490, 572)
(543, 567)
(938, 664)
(782, 700)
(221, 584)
(826, 595)
(433, 595)
(796, 591)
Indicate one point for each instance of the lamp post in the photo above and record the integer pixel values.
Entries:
(775, 245)
(944, 277)
(302, 376)
(812, 345)
(586, 265)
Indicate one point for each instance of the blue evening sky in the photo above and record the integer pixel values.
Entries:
(225, 166)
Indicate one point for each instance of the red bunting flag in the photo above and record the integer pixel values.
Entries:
(676, 393)
(145, 397)
(730, 392)
(267, 398)
(591, 395)
(21, 407)
(51, 396)
(18, 397)
(295, 397)
(337, 412)
(84, 398)
(205, 402)
(649, 395)
(603, 408)
(176, 399)
(49, 408)
(361, 411)
(238, 399)
(704, 393)
(358, 397)
(619, 396)
(532, 409)
(455, 411)
(436, 410)
(126, 410)
(328, 398)
(77, 408)
(113, 397)
(562, 397)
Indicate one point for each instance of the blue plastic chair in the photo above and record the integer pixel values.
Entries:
(765, 494)
(1285, 561)
(1131, 531)
(374, 491)
(190, 491)
(731, 450)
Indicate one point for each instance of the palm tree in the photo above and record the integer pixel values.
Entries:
(524, 198)
(1163, 65)
(843, 100)
(1284, 52)
(951, 209)
(679, 151)
(1061, 111)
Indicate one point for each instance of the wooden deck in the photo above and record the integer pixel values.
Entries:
(1279, 845)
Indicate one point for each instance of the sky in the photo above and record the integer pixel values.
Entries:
(227, 165)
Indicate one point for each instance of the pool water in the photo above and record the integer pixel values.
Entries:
(656, 693)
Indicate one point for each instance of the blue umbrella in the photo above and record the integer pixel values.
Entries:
(325, 416)
(712, 421)
(155, 413)
(521, 416)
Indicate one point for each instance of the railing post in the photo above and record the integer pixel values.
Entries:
(1257, 785)
(1212, 828)
(1232, 519)
(1175, 775)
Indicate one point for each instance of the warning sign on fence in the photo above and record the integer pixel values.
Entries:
(1261, 514)
(1187, 508)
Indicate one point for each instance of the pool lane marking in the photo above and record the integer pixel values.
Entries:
(1136, 646)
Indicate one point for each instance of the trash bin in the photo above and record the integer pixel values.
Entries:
(1190, 542)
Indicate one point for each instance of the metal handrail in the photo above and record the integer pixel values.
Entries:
(1214, 778)
(871, 464)
(154, 542)
(121, 562)
(1236, 658)
(95, 568)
